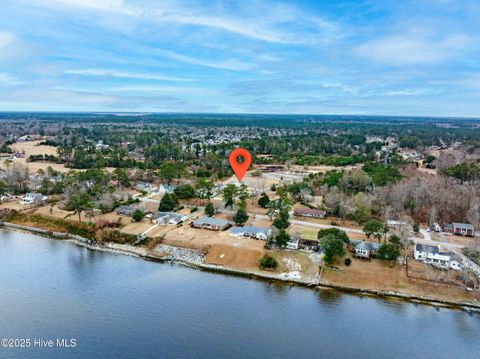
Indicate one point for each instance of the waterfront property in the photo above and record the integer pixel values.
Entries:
(201, 296)
(252, 232)
(211, 223)
(363, 249)
(169, 217)
(293, 243)
(435, 256)
(309, 212)
(297, 242)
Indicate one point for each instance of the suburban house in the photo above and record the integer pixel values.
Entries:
(298, 242)
(252, 232)
(309, 212)
(145, 186)
(33, 198)
(434, 256)
(169, 217)
(293, 243)
(364, 249)
(461, 229)
(128, 210)
(392, 224)
(211, 223)
(166, 188)
(309, 245)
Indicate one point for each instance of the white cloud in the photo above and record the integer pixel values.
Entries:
(122, 74)
(264, 21)
(6, 79)
(412, 48)
(6, 39)
(115, 6)
(233, 65)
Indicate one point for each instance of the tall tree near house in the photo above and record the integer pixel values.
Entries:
(168, 171)
(332, 247)
(282, 238)
(241, 216)
(168, 202)
(209, 209)
(374, 228)
(229, 193)
(121, 176)
(79, 202)
(3, 189)
(204, 189)
(264, 200)
(243, 193)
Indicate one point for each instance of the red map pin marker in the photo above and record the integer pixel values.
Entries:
(240, 168)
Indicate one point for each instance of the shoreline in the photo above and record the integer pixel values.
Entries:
(142, 253)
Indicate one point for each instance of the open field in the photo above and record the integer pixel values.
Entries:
(34, 148)
(385, 276)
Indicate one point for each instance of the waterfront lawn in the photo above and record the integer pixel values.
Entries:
(390, 276)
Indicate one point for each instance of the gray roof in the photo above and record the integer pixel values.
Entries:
(371, 246)
(205, 220)
(427, 248)
(463, 226)
(367, 246)
(249, 229)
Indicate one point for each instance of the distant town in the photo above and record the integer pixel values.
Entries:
(365, 204)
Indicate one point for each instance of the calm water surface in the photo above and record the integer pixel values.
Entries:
(123, 307)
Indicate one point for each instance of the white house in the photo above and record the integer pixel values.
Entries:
(145, 186)
(252, 232)
(33, 198)
(434, 256)
(169, 217)
(293, 243)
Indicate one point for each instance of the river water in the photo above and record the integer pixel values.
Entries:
(124, 307)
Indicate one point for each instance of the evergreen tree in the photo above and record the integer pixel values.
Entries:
(168, 202)
(209, 209)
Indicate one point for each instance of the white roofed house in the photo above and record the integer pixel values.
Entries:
(252, 232)
(169, 217)
(166, 188)
(145, 186)
(33, 199)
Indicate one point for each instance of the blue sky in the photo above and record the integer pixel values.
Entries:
(404, 57)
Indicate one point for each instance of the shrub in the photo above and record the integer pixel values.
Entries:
(193, 209)
(137, 215)
(347, 261)
(416, 227)
(268, 262)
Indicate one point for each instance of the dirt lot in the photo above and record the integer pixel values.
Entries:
(234, 257)
(33, 148)
(463, 240)
(137, 227)
(381, 275)
(221, 247)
